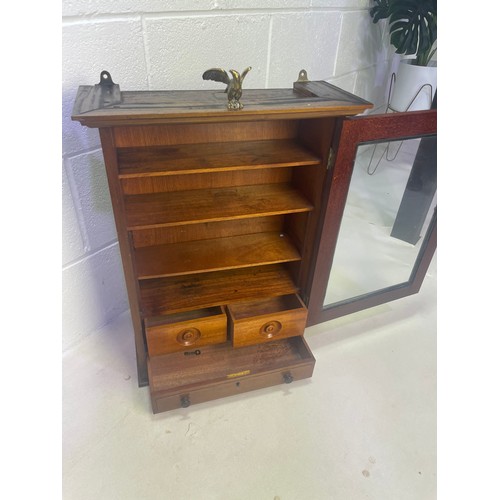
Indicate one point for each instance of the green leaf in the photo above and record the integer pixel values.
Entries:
(413, 26)
(414, 39)
(432, 28)
(401, 39)
(380, 10)
(423, 37)
(398, 25)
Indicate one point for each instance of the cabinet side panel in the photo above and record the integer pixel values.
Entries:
(317, 135)
(126, 249)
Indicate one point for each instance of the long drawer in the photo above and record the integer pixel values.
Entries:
(186, 378)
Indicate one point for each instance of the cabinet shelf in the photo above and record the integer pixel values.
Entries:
(181, 293)
(211, 157)
(200, 256)
(145, 211)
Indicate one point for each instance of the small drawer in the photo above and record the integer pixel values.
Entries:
(265, 320)
(177, 332)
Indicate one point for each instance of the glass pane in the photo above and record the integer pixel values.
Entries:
(389, 206)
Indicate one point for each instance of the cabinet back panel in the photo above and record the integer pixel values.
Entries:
(160, 135)
(209, 230)
(183, 293)
(171, 183)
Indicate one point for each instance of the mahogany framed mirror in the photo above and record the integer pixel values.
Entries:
(379, 219)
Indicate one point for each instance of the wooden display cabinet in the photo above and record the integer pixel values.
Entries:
(219, 216)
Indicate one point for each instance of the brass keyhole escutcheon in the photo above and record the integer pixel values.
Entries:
(270, 329)
(188, 336)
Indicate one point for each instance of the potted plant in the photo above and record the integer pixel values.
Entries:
(413, 32)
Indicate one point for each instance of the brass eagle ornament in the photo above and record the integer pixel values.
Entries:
(234, 85)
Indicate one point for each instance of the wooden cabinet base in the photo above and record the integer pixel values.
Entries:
(183, 379)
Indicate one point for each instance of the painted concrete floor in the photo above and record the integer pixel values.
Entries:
(363, 427)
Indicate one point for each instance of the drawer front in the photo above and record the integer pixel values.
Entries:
(268, 320)
(188, 397)
(174, 336)
(177, 380)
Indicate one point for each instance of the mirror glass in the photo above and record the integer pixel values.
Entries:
(390, 203)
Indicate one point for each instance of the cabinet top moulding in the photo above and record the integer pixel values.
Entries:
(106, 105)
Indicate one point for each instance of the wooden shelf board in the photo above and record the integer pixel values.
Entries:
(170, 295)
(211, 157)
(145, 211)
(200, 256)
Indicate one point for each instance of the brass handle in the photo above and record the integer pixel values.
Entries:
(185, 402)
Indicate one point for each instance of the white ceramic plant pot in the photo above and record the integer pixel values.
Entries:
(411, 80)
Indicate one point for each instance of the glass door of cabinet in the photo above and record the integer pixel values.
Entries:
(379, 221)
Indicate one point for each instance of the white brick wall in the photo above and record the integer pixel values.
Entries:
(167, 44)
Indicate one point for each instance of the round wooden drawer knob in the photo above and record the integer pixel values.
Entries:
(188, 336)
(270, 329)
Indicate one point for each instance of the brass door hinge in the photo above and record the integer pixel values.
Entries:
(329, 163)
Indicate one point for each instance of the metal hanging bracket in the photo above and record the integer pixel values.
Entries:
(106, 79)
(302, 76)
(109, 91)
